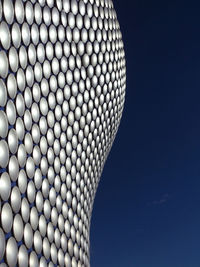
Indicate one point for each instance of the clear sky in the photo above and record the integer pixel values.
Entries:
(147, 208)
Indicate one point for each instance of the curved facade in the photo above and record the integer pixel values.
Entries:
(62, 89)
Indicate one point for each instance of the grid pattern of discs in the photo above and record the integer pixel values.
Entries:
(62, 89)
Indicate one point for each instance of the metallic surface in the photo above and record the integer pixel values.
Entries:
(62, 90)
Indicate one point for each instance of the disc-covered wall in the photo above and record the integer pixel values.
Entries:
(62, 89)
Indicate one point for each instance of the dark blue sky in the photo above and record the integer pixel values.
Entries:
(147, 208)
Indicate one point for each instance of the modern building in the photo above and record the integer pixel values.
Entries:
(62, 89)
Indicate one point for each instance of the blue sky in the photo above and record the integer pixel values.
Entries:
(147, 208)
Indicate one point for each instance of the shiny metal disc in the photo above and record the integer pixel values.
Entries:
(11, 252)
(16, 35)
(12, 141)
(8, 10)
(23, 256)
(19, 11)
(23, 59)
(25, 211)
(15, 199)
(5, 37)
(4, 64)
(4, 155)
(33, 259)
(3, 94)
(18, 227)
(2, 244)
(37, 242)
(13, 59)
(28, 235)
(3, 124)
(13, 168)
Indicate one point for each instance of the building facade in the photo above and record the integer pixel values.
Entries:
(62, 90)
